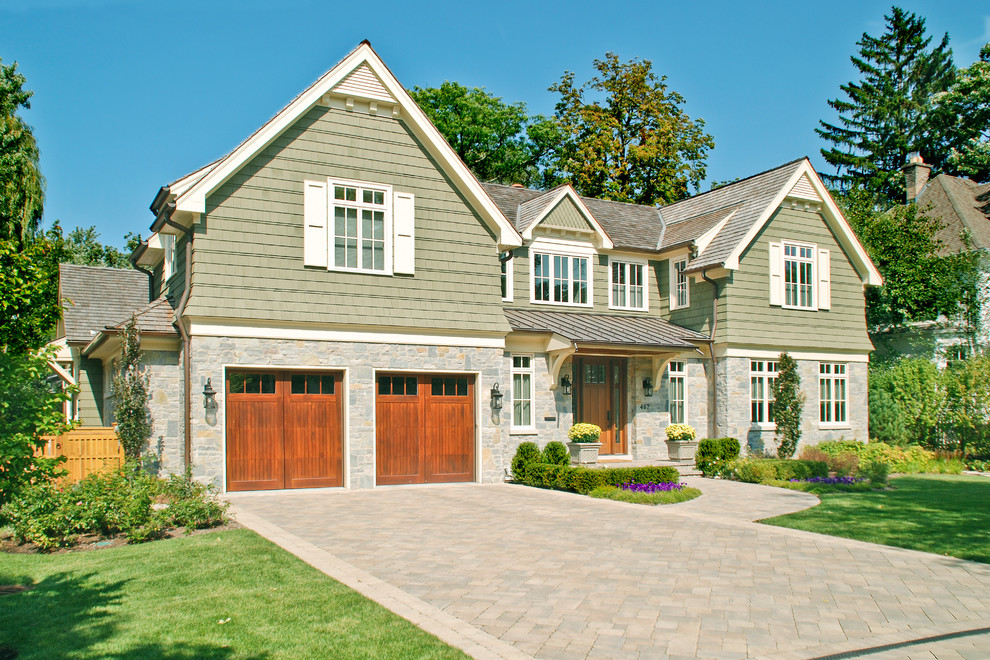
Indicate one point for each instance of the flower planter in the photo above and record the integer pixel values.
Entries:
(584, 453)
(682, 450)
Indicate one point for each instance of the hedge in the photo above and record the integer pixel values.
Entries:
(764, 470)
(584, 480)
(714, 452)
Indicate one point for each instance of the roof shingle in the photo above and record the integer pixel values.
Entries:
(94, 297)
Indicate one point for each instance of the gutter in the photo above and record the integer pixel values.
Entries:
(711, 352)
(186, 344)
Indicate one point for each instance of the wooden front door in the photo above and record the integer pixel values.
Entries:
(601, 399)
(424, 428)
(283, 430)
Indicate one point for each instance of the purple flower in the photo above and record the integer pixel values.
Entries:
(663, 487)
(832, 481)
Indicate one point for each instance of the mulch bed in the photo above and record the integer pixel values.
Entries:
(89, 542)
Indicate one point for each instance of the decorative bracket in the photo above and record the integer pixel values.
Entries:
(558, 349)
(659, 364)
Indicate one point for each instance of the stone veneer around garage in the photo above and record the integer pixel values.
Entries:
(210, 355)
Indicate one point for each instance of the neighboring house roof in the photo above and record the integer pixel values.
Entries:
(94, 297)
(964, 206)
(604, 329)
(363, 74)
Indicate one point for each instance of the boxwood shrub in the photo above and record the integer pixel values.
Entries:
(713, 453)
(584, 480)
(765, 470)
(527, 453)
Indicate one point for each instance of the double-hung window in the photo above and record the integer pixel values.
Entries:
(680, 292)
(799, 280)
(359, 226)
(522, 392)
(628, 285)
(677, 393)
(832, 393)
(762, 375)
(561, 279)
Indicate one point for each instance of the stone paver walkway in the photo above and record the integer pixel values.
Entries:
(503, 570)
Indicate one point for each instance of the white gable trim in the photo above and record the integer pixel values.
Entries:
(705, 239)
(833, 216)
(193, 199)
(602, 242)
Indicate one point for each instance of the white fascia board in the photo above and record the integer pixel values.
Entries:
(724, 351)
(604, 242)
(207, 329)
(847, 238)
(194, 199)
(705, 239)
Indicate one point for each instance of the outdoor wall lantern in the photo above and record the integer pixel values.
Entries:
(565, 382)
(648, 386)
(209, 396)
(496, 398)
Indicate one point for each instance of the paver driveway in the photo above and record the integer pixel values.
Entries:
(562, 575)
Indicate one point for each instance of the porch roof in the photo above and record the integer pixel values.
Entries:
(604, 328)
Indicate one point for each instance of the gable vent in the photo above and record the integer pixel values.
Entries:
(804, 190)
(363, 83)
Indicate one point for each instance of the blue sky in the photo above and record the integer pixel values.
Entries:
(130, 95)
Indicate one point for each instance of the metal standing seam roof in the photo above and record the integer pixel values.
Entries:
(95, 297)
(604, 329)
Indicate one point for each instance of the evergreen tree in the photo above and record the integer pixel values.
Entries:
(22, 188)
(887, 114)
(130, 395)
(964, 115)
(788, 404)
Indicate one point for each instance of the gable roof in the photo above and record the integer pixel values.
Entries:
(361, 73)
(963, 205)
(94, 297)
(535, 210)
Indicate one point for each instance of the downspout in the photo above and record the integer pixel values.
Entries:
(711, 352)
(184, 334)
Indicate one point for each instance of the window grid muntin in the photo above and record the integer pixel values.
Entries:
(762, 376)
(681, 284)
(676, 381)
(568, 275)
(360, 215)
(522, 391)
(799, 273)
(628, 290)
(832, 392)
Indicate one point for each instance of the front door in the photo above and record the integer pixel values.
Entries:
(601, 399)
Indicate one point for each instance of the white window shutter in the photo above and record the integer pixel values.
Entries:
(315, 224)
(776, 274)
(824, 280)
(404, 230)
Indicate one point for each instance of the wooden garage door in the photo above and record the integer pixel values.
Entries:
(283, 430)
(425, 428)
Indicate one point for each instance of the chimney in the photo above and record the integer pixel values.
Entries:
(518, 185)
(915, 176)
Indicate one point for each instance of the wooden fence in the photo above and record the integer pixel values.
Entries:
(87, 450)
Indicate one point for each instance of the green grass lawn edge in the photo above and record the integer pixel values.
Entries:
(226, 594)
(943, 514)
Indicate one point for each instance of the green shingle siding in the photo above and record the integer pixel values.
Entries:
(248, 262)
(89, 401)
(565, 216)
(751, 320)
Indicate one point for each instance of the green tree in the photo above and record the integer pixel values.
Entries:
(83, 247)
(22, 188)
(887, 114)
(498, 141)
(29, 305)
(917, 388)
(919, 283)
(633, 144)
(967, 405)
(964, 114)
(130, 395)
(788, 404)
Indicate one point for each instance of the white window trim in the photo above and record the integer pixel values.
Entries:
(767, 393)
(845, 424)
(560, 253)
(508, 277)
(331, 229)
(814, 275)
(523, 429)
(679, 374)
(646, 283)
(673, 283)
(169, 243)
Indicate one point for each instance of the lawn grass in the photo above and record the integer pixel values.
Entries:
(166, 600)
(621, 495)
(944, 514)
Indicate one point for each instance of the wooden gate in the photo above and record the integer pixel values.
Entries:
(87, 450)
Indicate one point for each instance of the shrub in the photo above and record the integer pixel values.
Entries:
(43, 515)
(680, 432)
(555, 453)
(584, 433)
(978, 465)
(903, 460)
(584, 480)
(876, 471)
(788, 405)
(666, 497)
(756, 472)
(765, 470)
(843, 464)
(713, 453)
(527, 453)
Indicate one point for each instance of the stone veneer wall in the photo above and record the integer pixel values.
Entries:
(210, 355)
(165, 404)
(734, 405)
